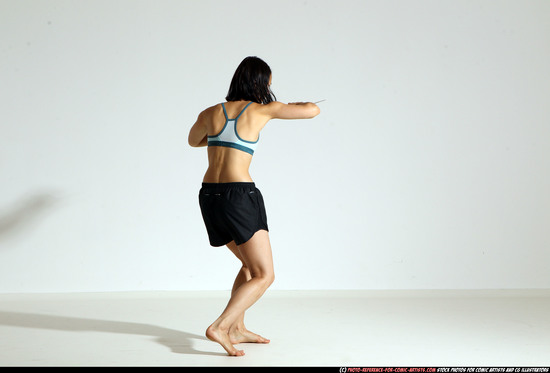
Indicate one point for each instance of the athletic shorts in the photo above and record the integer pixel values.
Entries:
(232, 212)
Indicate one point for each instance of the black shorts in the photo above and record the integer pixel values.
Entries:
(232, 212)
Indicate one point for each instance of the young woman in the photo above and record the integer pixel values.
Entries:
(231, 205)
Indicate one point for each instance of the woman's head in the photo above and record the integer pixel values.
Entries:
(251, 82)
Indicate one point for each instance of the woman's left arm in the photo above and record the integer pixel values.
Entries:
(198, 135)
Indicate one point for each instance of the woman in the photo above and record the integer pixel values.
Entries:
(231, 205)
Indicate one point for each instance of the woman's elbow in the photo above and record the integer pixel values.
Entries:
(192, 142)
(314, 110)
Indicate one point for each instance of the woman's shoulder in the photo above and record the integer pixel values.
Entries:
(214, 107)
(211, 110)
(266, 109)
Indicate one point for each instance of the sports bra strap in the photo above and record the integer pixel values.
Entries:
(237, 117)
(229, 137)
(242, 111)
(224, 112)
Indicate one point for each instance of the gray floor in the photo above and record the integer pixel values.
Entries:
(306, 328)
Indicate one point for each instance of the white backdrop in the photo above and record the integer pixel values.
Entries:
(428, 167)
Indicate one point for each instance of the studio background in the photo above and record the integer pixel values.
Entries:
(428, 167)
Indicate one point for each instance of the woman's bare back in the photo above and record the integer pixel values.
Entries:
(226, 165)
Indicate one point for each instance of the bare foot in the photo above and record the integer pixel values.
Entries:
(246, 336)
(222, 337)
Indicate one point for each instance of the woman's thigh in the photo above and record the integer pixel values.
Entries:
(235, 250)
(256, 254)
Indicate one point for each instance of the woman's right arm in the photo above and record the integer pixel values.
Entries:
(295, 110)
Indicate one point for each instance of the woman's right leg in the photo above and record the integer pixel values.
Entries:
(256, 254)
(238, 333)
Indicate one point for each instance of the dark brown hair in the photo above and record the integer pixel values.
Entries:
(251, 82)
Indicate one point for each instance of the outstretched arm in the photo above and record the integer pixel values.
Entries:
(294, 110)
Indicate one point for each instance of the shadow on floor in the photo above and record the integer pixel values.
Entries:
(178, 341)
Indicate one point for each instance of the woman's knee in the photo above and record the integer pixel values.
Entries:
(271, 279)
(266, 277)
(246, 271)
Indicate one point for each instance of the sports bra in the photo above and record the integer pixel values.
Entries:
(229, 137)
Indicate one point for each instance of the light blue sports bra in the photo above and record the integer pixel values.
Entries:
(229, 137)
